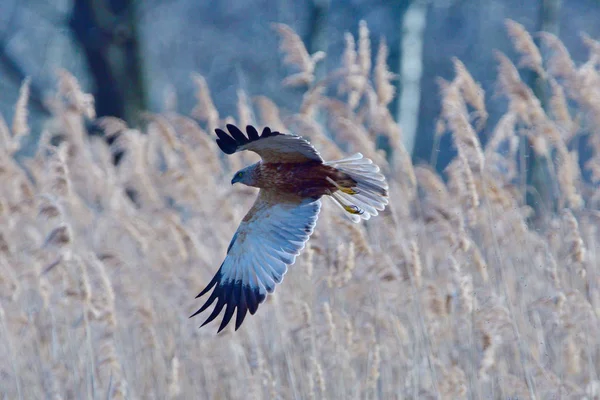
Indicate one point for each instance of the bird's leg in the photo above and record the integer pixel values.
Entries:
(353, 209)
(350, 208)
(343, 189)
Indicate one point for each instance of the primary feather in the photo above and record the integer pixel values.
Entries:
(271, 146)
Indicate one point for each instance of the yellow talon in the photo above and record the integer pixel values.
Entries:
(349, 190)
(353, 210)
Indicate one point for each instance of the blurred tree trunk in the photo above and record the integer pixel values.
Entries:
(317, 40)
(410, 69)
(107, 32)
(539, 176)
(317, 35)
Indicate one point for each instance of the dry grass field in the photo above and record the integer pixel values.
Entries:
(458, 290)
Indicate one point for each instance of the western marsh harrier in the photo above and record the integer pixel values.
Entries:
(292, 178)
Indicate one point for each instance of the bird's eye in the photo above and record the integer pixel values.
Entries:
(239, 174)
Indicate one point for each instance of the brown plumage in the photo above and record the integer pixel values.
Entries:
(307, 179)
(292, 178)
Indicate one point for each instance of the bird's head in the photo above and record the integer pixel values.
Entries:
(245, 176)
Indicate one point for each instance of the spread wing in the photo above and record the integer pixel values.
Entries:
(267, 241)
(272, 146)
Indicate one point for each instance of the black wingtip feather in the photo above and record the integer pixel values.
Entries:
(252, 133)
(251, 302)
(212, 283)
(225, 148)
(217, 310)
(237, 134)
(259, 298)
(266, 132)
(225, 138)
(227, 316)
(230, 142)
(242, 309)
(204, 306)
(232, 302)
(226, 143)
(213, 295)
(234, 295)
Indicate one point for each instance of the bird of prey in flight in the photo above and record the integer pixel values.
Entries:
(292, 178)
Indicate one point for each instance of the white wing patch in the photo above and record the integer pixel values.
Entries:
(264, 245)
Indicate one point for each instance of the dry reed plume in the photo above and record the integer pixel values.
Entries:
(459, 290)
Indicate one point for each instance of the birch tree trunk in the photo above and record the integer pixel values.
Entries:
(411, 69)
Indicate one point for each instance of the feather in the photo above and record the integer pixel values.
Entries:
(252, 133)
(272, 146)
(267, 241)
(237, 134)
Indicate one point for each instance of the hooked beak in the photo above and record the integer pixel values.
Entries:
(234, 180)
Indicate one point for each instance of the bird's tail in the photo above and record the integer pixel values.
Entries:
(365, 193)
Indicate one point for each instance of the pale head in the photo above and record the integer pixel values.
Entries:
(245, 175)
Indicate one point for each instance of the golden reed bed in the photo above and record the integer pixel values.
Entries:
(459, 290)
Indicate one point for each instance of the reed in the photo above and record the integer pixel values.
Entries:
(458, 290)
